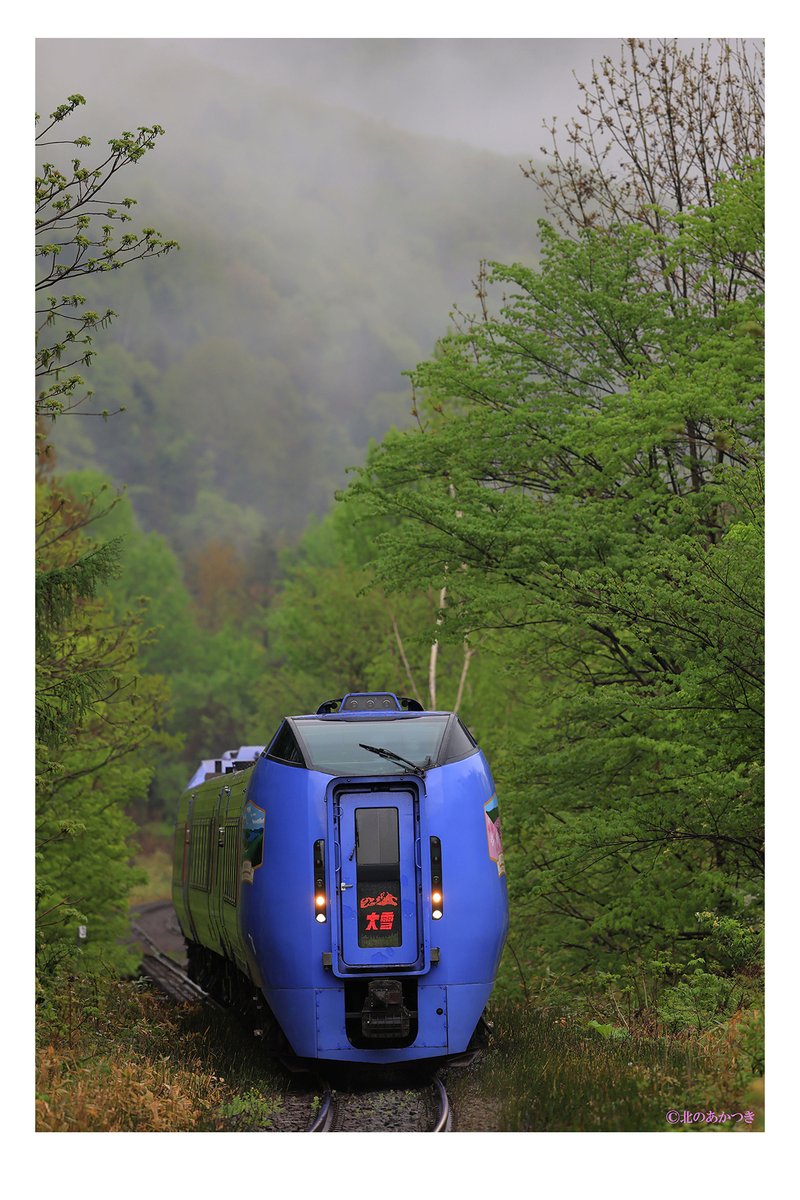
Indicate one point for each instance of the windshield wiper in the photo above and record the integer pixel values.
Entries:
(398, 758)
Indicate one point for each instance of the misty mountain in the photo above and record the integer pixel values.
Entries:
(321, 254)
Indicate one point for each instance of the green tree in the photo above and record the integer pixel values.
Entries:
(97, 715)
(586, 482)
(584, 492)
(330, 632)
(95, 711)
(78, 233)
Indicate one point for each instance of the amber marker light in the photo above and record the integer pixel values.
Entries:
(436, 897)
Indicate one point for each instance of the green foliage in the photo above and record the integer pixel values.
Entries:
(250, 1111)
(148, 576)
(215, 694)
(587, 483)
(98, 716)
(329, 631)
(698, 1001)
(77, 235)
(608, 1030)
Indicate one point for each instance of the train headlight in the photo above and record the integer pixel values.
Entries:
(322, 918)
(436, 914)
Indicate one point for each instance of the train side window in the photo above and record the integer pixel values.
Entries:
(458, 743)
(284, 747)
(199, 862)
(230, 863)
(253, 822)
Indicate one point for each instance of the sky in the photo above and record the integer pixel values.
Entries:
(493, 93)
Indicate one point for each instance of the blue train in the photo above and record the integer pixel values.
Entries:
(353, 874)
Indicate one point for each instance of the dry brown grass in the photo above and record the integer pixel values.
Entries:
(120, 1057)
(107, 1095)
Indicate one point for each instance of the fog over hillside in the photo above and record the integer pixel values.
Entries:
(333, 201)
(491, 93)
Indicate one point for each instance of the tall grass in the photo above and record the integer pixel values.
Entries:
(546, 1072)
(119, 1056)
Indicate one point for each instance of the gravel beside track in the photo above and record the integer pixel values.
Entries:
(380, 1105)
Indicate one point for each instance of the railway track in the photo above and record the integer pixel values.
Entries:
(362, 1108)
(167, 973)
(384, 1110)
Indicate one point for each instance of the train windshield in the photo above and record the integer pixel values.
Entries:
(339, 747)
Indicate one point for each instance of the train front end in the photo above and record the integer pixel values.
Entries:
(373, 897)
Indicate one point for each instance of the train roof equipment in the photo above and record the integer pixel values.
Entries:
(369, 702)
(226, 764)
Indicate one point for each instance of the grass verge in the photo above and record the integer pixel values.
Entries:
(547, 1072)
(117, 1056)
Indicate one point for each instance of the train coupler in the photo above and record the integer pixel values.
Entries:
(384, 1014)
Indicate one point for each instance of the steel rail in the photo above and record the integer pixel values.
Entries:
(323, 1121)
(325, 1118)
(444, 1121)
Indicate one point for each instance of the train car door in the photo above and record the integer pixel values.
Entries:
(188, 851)
(379, 881)
(219, 833)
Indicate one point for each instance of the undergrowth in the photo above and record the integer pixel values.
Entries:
(545, 1071)
(119, 1056)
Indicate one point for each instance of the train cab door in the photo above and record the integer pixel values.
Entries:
(379, 881)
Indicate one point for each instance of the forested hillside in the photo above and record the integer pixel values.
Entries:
(320, 255)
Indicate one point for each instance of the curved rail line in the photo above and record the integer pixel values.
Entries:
(329, 1115)
(444, 1122)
